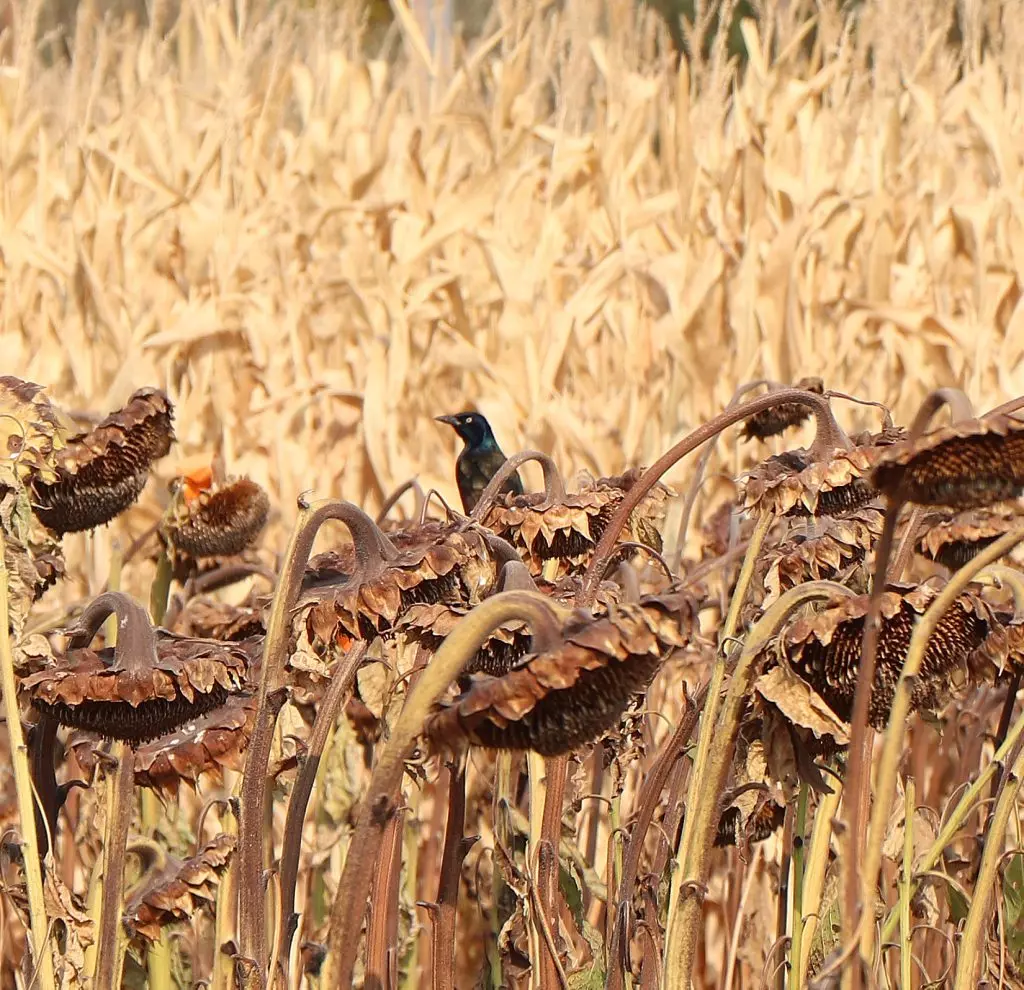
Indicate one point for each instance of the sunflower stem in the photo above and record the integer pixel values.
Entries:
(692, 859)
(797, 920)
(972, 942)
(538, 787)
(815, 869)
(861, 734)
(326, 716)
(42, 958)
(371, 547)
(160, 590)
(885, 779)
(554, 487)
(378, 804)
(829, 436)
(109, 956)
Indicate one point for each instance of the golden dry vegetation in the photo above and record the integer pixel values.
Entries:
(315, 252)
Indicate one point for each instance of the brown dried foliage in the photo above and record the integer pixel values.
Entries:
(101, 473)
(208, 744)
(567, 697)
(139, 702)
(178, 891)
(840, 543)
(792, 484)
(965, 465)
(824, 648)
(223, 520)
(436, 563)
(954, 541)
(543, 527)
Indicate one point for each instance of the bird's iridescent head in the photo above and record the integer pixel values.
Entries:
(471, 426)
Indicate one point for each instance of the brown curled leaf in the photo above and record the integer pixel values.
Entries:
(776, 420)
(205, 618)
(824, 648)
(555, 701)
(218, 521)
(141, 700)
(101, 473)
(179, 890)
(966, 465)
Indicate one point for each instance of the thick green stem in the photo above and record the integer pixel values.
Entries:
(380, 800)
(692, 860)
(885, 781)
(829, 436)
(709, 715)
(972, 942)
(41, 957)
(371, 548)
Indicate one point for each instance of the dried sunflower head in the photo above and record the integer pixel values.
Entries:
(839, 544)
(955, 540)
(966, 465)
(553, 701)
(435, 562)
(153, 685)
(177, 891)
(793, 484)
(203, 746)
(101, 473)
(566, 527)
(824, 648)
(207, 618)
(216, 520)
(776, 420)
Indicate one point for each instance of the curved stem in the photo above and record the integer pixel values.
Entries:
(860, 735)
(828, 437)
(885, 779)
(379, 802)
(42, 957)
(554, 487)
(136, 637)
(698, 474)
(372, 547)
(326, 716)
(690, 877)
(412, 485)
(1006, 408)
(972, 950)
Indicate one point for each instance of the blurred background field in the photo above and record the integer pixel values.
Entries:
(316, 245)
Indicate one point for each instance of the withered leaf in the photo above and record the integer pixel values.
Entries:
(178, 891)
(801, 704)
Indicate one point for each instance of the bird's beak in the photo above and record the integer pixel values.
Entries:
(450, 420)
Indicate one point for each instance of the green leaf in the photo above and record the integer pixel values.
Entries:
(573, 895)
(1013, 889)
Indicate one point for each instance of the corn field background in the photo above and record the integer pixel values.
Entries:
(315, 244)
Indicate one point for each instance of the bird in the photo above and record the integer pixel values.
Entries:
(480, 459)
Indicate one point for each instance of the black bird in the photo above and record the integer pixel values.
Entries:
(480, 459)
